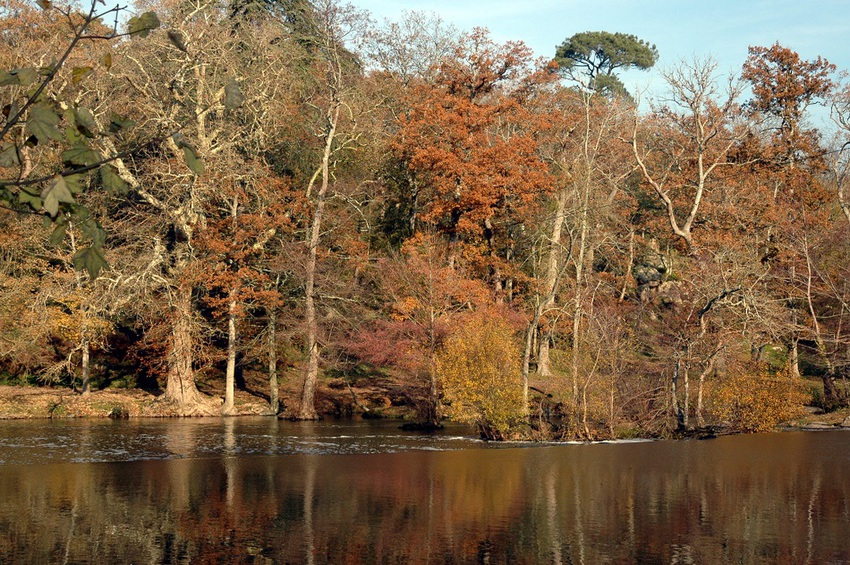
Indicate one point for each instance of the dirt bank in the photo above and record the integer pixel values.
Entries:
(334, 399)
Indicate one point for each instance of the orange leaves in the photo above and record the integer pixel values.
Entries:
(404, 309)
(465, 136)
(480, 66)
(783, 84)
(469, 150)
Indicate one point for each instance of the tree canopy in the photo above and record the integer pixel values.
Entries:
(598, 54)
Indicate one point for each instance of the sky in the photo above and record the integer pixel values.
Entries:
(681, 29)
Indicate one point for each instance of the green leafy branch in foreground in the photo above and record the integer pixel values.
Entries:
(51, 124)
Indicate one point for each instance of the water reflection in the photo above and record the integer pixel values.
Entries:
(782, 498)
(91, 441)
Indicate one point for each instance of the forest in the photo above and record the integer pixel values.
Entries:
(286, 190)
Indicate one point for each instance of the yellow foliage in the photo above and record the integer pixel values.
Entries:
(479, 367)
(756, 401)
(69, 319)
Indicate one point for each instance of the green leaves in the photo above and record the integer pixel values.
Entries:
(31, 200)
(57, 190)
(57, 236)
(189, 154)
(90, 259)
(143, 25)
(233, 97)
(43, 123)
(192, 161)
(81, 155)
(9, 155)
(18, 77)
(86, 124)
(112, 181)
(79, 74)
(118, 123)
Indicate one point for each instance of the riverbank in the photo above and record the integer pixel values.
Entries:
(19, 402)
(30, 402)
(335, 400)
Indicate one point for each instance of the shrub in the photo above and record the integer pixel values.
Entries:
(755, 401)
(480, 372)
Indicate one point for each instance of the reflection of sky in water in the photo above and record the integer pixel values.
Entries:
(88, 441)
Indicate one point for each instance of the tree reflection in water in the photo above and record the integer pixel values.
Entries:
(779, 498)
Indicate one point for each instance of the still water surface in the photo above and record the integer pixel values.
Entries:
(263, 491)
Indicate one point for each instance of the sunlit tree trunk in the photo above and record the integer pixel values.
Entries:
(578, 306)
(274, 390)
(85, 365)
(705, 372)
(230, 371)
(687, 401)
(308, 396)
(550, 282)
(180, 383)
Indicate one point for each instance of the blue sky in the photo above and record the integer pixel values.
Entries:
(679, 28)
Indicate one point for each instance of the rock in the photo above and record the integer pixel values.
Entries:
(647, 274)
(846, 422)
(670, 293)
(818, 426)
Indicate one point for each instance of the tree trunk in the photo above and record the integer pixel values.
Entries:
(544, 360)
(832, 397)
(677, 408)
(578, 308)
(432, 417)
(180, 385)
(230, 372)
(794, 359)
(687, 401)
(308, 392)
(308, 395)
(85, 363)
(550, 283)
(526, 359)
(274, 392)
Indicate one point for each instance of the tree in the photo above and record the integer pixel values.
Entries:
(479, 367)
(335, 69)
(598, 54)
(784, 86)
(220, 100)
(243, 220)
(699, 132)
(411, 49)
(468, 145)
(795, 169)
(588, 167)
(49, 141)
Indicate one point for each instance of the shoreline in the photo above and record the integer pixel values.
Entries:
(30, 402)
(44, 402)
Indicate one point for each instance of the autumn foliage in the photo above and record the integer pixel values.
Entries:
(475, 233)
(479, 370)
(755, 400)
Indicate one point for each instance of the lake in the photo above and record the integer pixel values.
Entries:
(256, 490)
